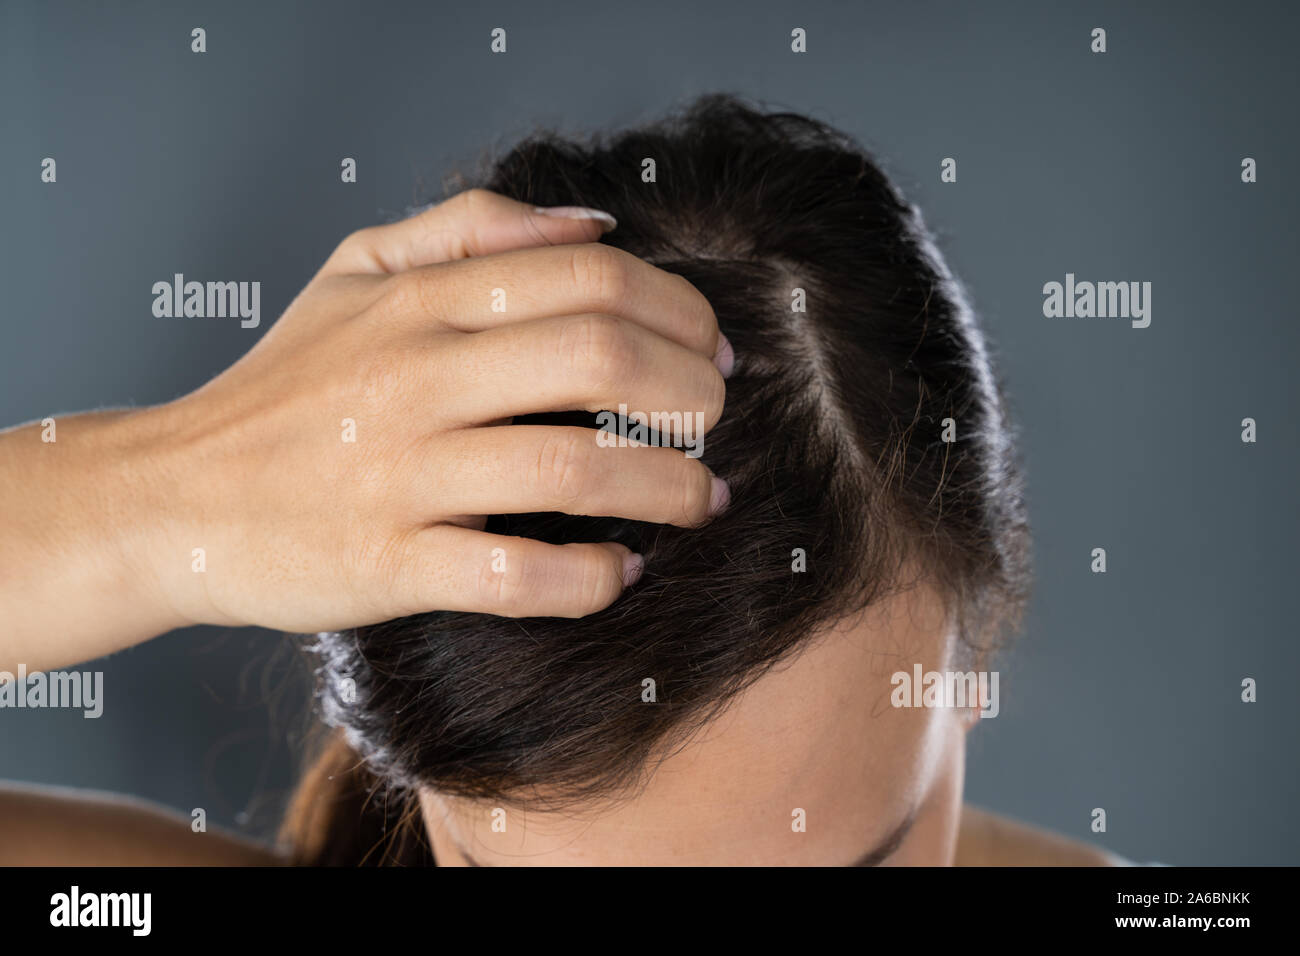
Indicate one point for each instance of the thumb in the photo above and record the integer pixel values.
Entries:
(476, 222)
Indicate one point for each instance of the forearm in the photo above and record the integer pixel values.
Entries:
(80, 518)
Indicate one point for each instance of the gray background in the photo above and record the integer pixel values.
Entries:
(1123, 691)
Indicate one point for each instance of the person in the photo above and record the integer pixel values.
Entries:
(618, 490)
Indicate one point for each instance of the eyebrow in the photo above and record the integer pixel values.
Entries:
(873, 857)
(885, 849)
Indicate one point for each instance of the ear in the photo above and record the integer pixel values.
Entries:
(986, 702)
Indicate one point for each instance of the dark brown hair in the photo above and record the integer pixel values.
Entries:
(833, 442)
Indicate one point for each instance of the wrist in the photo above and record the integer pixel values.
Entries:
(157, 506)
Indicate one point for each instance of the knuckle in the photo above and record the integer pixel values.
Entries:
(693, 487)
(561, 470)
(475, 199)
(405, 293)
(596, 586)
(600, 274)
(714, 391)
(361, 237)
(504, 589)
(379, 568)
(597, 349)
(356, 243)
(705, 321)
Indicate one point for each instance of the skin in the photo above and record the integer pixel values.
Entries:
(817, 733)
(879, 785)
(304, 532)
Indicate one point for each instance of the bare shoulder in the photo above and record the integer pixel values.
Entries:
(61, 826)
(987, 839)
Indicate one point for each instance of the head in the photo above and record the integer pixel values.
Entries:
(738, 705)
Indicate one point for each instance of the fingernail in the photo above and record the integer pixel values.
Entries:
(725, 357)
(633, 565)
(719, 497)
(577, 212)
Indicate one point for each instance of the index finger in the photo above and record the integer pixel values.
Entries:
(475, 222)
(472, 295)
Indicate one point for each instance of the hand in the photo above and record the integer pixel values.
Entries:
(337, 475)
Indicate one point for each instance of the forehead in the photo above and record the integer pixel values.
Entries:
(817, 735)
